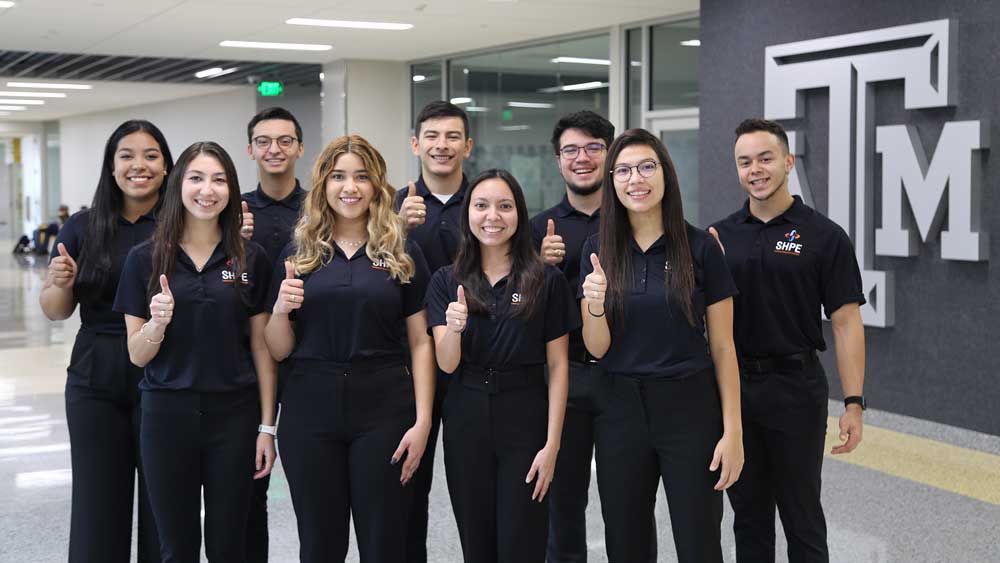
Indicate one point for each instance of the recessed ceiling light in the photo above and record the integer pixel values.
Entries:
(515, 127)
(530, 105)
(213, 72)
(13, 108)
(48, 85)
(691, 43)
(349, 24)
(457, 101)
(575, 87)
(582, 61)
(23, 102)
(34, 94)
(281, 46)
(477, 109)
(419, 78)
(6, 4)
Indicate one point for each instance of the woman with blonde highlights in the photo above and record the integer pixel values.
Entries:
(354, 422)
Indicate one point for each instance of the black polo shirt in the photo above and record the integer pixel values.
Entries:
(502, 339)
(273, 219)
(206, 346)
(655, 338)
(786, 269)
(438, 237)
(353, 310)
(96, 314)
(574, 227)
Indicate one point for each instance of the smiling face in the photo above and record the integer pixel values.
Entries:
(139, 167)
(349, 190)
(442, 146)
(763, 164)
(274, 159)
(204, 188)
(582, 173)
(493, 212)
(639, 194)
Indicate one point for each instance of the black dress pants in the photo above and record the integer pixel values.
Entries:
(196, 444)
(570, 489)
(102, 412)
(491, 438)
(340, 425)
(654, 429)
(784, 427)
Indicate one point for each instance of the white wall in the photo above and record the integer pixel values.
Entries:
(217, 117)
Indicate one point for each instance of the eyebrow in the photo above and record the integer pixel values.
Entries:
(365, 170)
(193, 171)
(760, 154)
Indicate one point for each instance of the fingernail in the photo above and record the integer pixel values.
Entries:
(393, 461)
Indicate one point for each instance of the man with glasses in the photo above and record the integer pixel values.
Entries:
(269, 215)
(580, 141)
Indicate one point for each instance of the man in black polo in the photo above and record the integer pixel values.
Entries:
(430, 207)
(790, 263)
(274, 141)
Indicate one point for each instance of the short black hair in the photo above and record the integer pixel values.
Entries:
(587, 121)
(273, 113)
(754, 124)
(438, 110)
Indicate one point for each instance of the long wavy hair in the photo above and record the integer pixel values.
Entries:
(527, 272)
(314, 233)
(95, 260)
(173, 215)
(616, 231)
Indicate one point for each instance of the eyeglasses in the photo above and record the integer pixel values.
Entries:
(623, 172)
(570, 152)
(263, 142)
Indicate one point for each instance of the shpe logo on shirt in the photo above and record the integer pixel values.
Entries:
(789, 246)
(380, 264)
(515, 298)
(228, 276)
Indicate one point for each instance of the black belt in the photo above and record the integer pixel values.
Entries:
(498, 380)
(767, 364)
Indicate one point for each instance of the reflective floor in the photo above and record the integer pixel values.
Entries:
(915, 491)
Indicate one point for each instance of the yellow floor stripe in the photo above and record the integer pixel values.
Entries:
(951, 468)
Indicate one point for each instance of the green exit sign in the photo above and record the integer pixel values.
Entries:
(268, 89)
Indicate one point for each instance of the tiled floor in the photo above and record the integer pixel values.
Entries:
(874, 514)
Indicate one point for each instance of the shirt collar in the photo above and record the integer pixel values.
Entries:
(291, 201)
(425, 192)
(796, 213)
(218, 254)
(565, 209)
(658, 244)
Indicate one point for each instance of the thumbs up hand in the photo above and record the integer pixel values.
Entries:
(246, 231)
(595, 285)
(457, 314)
(161, 307)
(553, 248)
(291, 293)
(414, 210)
(62, 269)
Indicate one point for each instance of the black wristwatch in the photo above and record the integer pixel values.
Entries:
(855, 400)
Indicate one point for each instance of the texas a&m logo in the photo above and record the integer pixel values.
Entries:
(923, 56)
(789, 245)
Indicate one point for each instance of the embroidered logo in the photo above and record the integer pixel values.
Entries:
(380, 264)
(515, 298)
(789, 244)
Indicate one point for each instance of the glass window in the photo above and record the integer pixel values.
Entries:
(426, 86)
(514, 99)
(633, 54)
(673, 57)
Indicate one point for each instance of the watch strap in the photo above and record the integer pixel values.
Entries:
(856, 400)
(272, 430)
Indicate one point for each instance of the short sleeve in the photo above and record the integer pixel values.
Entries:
(438, 298)
(259, 270)
(717, 282)
(561, 312)
(71, 236)
(590, 246)
(131, 298)
(841, 276)
(415, 291)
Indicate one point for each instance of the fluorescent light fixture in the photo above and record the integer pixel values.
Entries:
(635, 63)
(213, 72)
(582, 61)
(349, 24)
(515, 127)
(12, 108)
(280, 46)
(574, 87)
(49, 86)
(691, 43)
(33, 94)
(419, 78)
(530, 105)
(458, 101)
(23, 102)
(6, 4)
(477, 109)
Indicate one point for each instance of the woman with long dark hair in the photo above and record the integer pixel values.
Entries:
(500, 317)
(658, 311)
(195, 304)
(102, 394)
(354, 421)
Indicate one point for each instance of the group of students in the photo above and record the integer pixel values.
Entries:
(604, 327)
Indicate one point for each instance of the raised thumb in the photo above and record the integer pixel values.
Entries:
(551, 230)
(289, 270)
(596, 263)
(246, 208)
(62, 250)
(164, 286)
(412, 190)
(461, 295)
